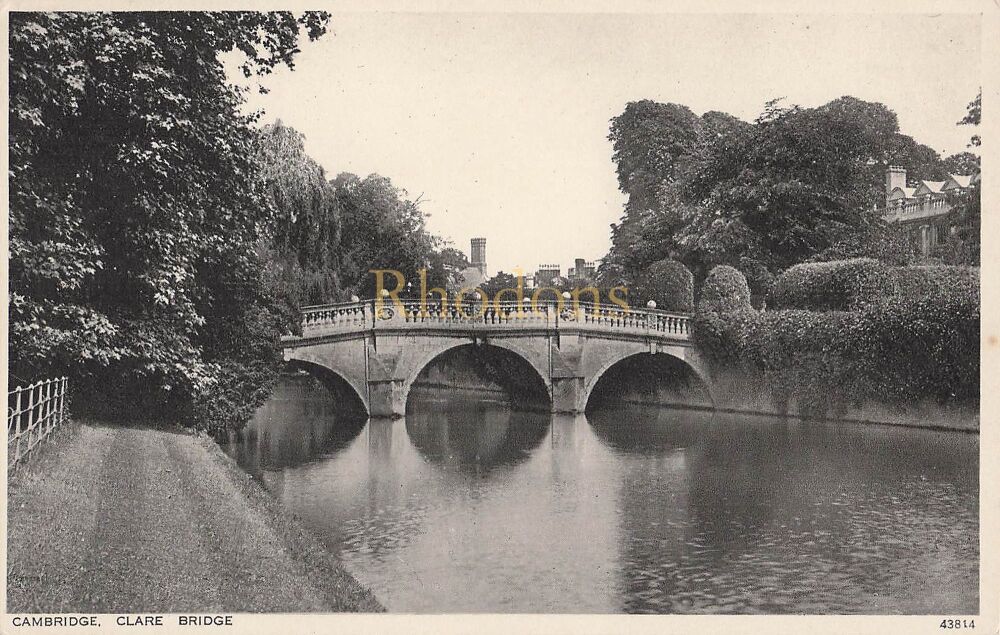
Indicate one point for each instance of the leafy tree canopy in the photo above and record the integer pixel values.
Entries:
(759, 196)
(136, 205)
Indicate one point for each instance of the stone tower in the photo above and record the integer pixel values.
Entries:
(479, 254)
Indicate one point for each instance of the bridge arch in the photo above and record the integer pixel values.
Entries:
(336, 382)
(516, 356)
(655, 361)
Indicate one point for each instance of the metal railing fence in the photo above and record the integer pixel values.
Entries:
(33, 412)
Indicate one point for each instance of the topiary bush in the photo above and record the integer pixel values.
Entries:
(840, 285)
(724, 317)
(725, 290)
(667, 282)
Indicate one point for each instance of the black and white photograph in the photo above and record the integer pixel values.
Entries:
(499, 311)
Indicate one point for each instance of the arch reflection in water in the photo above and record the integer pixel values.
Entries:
(648, 379)
(649, 429)
(472, 434)
(303, 419)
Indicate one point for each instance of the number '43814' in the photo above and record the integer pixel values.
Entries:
(956, 623)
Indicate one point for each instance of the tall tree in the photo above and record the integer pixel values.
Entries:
(765, 195)
(445, 266)
(973, 117)
(302, 248)
(964, 245)
(648, 139)
(135, 200)
(381, 229)
(962, 163)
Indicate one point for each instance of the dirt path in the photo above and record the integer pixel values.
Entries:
(134, 520)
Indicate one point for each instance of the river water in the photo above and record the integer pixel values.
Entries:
(468, 506)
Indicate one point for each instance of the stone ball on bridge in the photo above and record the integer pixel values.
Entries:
(651, 304)
(566, 295)
(355, 298)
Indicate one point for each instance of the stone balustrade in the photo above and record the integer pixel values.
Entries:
(918, 209)
(368, 315)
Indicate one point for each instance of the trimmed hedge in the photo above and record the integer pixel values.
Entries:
(807, 356)
(920, 337)
(840, 285)
(914, 337)
(669, 283)
(725, 290)
(928, 281)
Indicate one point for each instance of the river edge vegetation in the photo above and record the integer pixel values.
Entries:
(162, 240)
(848, 334)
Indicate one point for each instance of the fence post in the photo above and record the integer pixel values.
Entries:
(17, 426)
(48, 410)
(53, 394)
(62, 401)
(31, 416)
(43, 405)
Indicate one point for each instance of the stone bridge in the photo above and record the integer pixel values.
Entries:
(379, 349)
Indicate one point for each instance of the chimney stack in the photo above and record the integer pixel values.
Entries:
(895, 176)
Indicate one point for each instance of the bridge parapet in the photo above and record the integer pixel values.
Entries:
(336, 317)
(414, 314)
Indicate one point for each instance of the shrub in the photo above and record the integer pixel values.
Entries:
(667, 282)
(724, 291)
(839, 285)
(759, 279)
(807, 356)
(724, 317)
(241, 388)
(920, 337)
(723, 338)
(804, 356)
(927, 281)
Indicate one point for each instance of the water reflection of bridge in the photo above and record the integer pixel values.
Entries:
(379, 351)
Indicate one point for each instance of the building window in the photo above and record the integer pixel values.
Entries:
(941, 235)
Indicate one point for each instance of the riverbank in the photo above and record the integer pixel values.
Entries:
(116, 519)
(966, 420)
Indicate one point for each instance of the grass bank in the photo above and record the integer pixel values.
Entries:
(118, 519)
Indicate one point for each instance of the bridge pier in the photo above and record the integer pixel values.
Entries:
(568, 395)
(387, 398)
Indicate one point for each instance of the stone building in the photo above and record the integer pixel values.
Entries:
(582, 269)
(479, 255)
(923, 208)
(474, 275)
(546, 274)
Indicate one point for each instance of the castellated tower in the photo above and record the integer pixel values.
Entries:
(479, 254)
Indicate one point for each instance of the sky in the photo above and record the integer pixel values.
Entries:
(499, 122)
